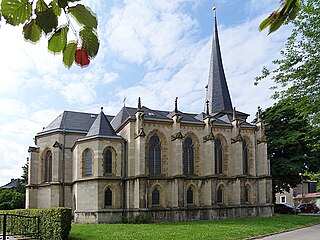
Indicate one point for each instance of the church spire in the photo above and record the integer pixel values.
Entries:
(217, 88)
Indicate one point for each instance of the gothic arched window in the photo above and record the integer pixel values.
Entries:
(108, 198)
(48, 167)
(189, 196)
(88, 162)
(218, 156)
(246, 194)
(155, 197)
(108, 162)
(245, 157)
(220, 195)
(154, 158)
(188, 157)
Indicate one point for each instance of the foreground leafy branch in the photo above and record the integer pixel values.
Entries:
(39, 18)
(296, 74)
(287, 11)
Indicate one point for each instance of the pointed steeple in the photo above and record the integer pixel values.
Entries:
(217, 88)
(101, 127)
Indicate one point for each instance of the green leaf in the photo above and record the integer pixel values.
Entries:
(16, 11)
(31, 31)
(265, 23)
(47, 20)
(83, 15)
(294, 12)
(62, 3)
(58, 40)
(275, 25)
(69, 54)
(90, 41)
(56, 8)
(41, 6)
(289, 5)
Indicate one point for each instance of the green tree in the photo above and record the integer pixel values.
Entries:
(25, 169)
(10, 199)
(39, 18)
(297, 73)
(15, 198)
(290, 144)
(315, 176)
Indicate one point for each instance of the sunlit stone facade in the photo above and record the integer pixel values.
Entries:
(170, 165)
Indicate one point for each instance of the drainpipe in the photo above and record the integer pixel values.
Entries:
(63, 167)
(147, 185)
(257, 169)
(125, 176)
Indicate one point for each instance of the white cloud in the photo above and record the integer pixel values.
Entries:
(16, 136)
(13, 157)
(79, 93)
(11, 107)
(244, 50)
(262, 7)
(44, 116)
(148, 31)
(109, 77)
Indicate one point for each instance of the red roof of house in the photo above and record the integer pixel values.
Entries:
(309, 195)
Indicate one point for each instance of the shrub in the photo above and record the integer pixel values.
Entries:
(55, 223)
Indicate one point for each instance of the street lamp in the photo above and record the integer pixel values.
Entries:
(300, 174)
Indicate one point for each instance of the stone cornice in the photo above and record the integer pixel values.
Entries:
(33, 149)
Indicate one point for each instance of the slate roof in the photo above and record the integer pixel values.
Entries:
(217, 88)
(127, 113)
(72, 122)
(101, 127)
(13, 183)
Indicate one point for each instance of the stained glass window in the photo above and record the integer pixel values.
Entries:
(88, 162)
(218, 156)
(108, 161)
(189, 196)
(154, 159)
(155, 197)
(220, 195)
(108, 198)
(245, 160)
(188, 157)
(48, 167)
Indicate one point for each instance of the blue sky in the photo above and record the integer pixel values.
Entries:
(157, 50)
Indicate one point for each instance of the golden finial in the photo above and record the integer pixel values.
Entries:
(214, 9)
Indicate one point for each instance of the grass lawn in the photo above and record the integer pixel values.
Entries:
(218, 229)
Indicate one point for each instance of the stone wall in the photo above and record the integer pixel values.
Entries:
(175, 215)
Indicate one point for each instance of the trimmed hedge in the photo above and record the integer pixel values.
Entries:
(55, 223)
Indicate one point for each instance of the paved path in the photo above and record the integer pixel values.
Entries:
(309, 233)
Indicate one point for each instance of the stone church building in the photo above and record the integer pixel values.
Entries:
(171, 165)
